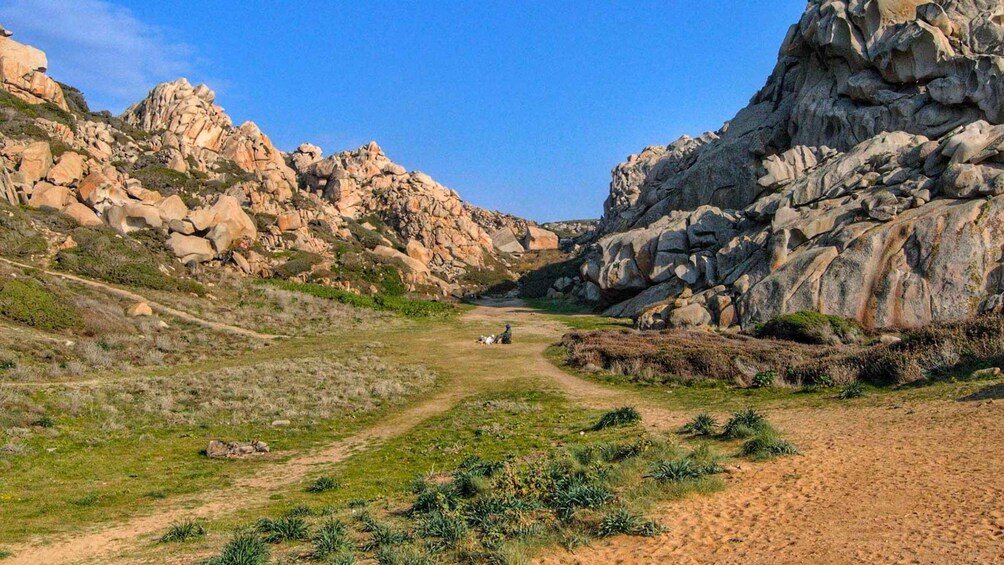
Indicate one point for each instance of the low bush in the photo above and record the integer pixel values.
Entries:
(766, 444)
(26, 301)
(322, 484)
(703, 424)
(287, 528)
(852, 390)
(764, 379)
(244, 548)
(331, 541)
(810, 327)
(622, 521)
(744, 424)
(619, 417)
(18, 237)
(408, 307)
(183, 531)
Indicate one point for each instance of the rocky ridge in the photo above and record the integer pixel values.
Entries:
(225, 195)
(864, 180)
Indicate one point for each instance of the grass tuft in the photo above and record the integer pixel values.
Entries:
(622, 521)
(331, 541)
(323, 484)
(703, 424)
(244, 548)
(287, 528)
(767, 445)
(183, 531)
(744, 423)
(618, 417)
(852, 390)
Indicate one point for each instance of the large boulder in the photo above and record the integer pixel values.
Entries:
(190, 248)
(505, 241)
(539, 239)
(46, 195)
(82, 214)
(67, 170)
(133, 216)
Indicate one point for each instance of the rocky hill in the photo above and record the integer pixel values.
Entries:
(223, 196)
(864, 180)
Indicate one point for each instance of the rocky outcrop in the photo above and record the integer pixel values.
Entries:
(22, 73)
(866, 179)
(365, 181)
(192, 128)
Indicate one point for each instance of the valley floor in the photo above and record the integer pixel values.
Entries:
(896, 476)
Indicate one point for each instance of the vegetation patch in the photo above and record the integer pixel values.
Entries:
(26, 301)
(745, 423)
(811, 327)
(244, 548)
(619, 417)
(183, 531)
(703, 424)
(766, 444)
(322, 484)
(18, 238)
(104, 255)
(408, 307)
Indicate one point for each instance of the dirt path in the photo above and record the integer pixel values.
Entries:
(156, 306)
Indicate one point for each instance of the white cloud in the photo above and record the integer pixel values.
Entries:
(102, 49)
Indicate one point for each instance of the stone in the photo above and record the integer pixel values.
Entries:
(505, 241)
(139, 309)
(418, 252)
(190, 248)
(69, 168)
(172, 209)
(692, 315)
(409, 263)
(539, 239)
(989, 373)
(217, 449)
(47, 195)
(36, 160)
(82, 214)
(289, 222)
(133, 216)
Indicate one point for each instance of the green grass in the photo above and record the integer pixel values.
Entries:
(852, 390)
(408, 307)
(102, 254)
(703, 424)
(284, 529)
(4, 554)
(244, 548)
(18, 236)
(766, 444)
(26, 301)
(744, 423)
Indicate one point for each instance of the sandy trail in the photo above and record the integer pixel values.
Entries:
(917, 482)
(156, 306)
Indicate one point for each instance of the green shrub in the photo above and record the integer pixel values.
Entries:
(766, 445)
(618, 417)
(330, 540)
(27, 302)
(744, 424)
(764, 379)
(301, 262)
(183, 531)
(703, 424)
(18, 238)
(810, 327)
(102, 254)
(381, 534)
(675, 471)
(4, 554)
(448, 530)
(621, 521)
(407, 307)
(852, 390)
(244, 548)
(287, 528)
(578, 493)
(323, 484)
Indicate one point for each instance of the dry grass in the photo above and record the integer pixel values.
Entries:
(938, 351)
(307, 390)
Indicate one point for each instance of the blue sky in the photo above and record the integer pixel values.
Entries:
(519, 106)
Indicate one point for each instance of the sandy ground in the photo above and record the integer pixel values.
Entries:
(910, 482)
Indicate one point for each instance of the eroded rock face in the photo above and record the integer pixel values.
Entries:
(366, 181)
(22, 73)
(865, 180)
(190, 123)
